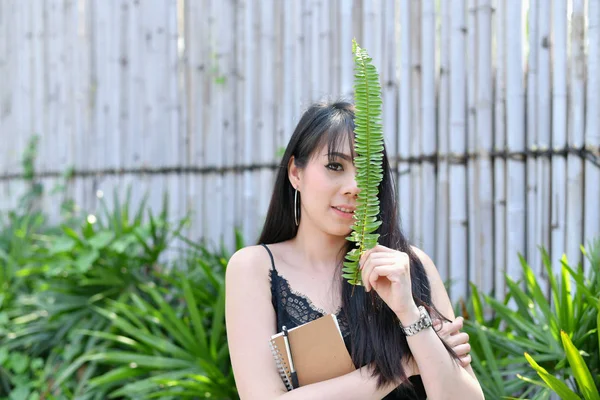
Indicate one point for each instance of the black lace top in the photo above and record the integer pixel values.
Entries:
(294, 309)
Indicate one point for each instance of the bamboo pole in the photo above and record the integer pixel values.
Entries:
(248, 91)
(325, 47)
(239, 121)
(484, 172)
(6, 30)
(304, 55)
(15, 87)
(54, 140)
(576, 132)
(175, 144)
(37, 109)
(428, 123)
(416, 133)
(155, 94)
(345, 47)
(500, 178)
(69, 87)
(459, 280)
(105, 78)
(405, 112)
(544, 130)
(127, 139)
(533, 255)
(389, 82)
(266, 104)
(592, 125)
(291, 106)
(443, 199)
(23, 66)
(82, 93)
(559, 129)
(314, 44)
(515, 124)
(458, 234)
(36, 80)
(195, 76)
(226, 87)
(214, 195)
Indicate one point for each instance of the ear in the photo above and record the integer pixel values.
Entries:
(294, 173)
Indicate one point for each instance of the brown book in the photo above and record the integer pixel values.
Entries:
(318, 352)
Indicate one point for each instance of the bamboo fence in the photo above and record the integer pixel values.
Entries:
(491, 113)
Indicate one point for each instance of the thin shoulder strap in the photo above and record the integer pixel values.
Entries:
(270, 255)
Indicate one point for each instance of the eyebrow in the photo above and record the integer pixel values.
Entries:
(340, 155)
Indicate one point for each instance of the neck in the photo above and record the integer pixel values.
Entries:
(320, 250)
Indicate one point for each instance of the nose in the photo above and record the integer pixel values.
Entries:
(351, 188)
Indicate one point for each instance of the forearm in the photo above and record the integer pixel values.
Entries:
(358, 385)
(442, 377)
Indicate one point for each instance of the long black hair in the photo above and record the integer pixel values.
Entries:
(375, 333)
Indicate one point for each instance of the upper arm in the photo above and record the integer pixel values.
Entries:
(250, 321)
(439, 295)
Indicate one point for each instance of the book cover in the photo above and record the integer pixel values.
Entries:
(318, 352)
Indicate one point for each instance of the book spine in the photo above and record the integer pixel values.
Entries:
(282, 367)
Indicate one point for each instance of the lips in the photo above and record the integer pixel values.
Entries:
(345, 213)
(345, 209)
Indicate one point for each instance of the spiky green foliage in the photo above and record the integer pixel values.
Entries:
(368, 146)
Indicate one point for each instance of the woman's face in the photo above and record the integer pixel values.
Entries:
(328, 191)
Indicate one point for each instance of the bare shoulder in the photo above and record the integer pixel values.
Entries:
(250, 320)
(430, 268)
(439, 295)
(250, 261)
(247, 276)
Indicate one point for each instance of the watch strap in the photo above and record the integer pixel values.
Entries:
(424, 322)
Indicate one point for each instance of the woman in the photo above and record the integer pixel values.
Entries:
(295, 277)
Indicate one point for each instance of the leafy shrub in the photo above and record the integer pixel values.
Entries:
(527, 322)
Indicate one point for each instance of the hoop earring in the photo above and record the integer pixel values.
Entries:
(296, 206)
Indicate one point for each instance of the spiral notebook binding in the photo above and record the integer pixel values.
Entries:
(283, 369)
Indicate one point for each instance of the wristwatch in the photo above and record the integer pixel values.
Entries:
(424, 322)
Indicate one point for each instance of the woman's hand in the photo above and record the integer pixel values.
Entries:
(450, 333)
(387, 271)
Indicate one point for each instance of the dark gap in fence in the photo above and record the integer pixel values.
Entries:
(589, 153)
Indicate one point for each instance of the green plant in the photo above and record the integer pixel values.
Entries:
(61, 284)
(580, 371)
(526, 321)
(171, 344)
(64, 273)
(19, 374)
(368, 146)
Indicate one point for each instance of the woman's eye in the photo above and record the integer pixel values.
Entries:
(335, 166)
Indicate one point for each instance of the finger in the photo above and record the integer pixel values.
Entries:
(450, 328)
(458, 339)
(372, 261)
(465, 361)
(457, 325)
(388, 271)
(462, 349)
(441, 326)
(365, 257)
(365, 271)
(382, 248)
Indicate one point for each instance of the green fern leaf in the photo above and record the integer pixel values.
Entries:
(368, 146)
